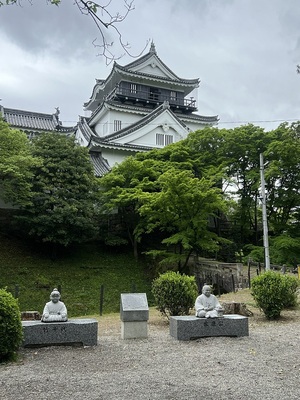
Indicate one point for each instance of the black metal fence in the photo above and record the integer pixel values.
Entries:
(90, 304)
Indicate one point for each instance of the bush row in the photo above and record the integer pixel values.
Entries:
(10, 326)
(274, 292)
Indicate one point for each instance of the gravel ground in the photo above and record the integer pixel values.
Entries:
(265, 365)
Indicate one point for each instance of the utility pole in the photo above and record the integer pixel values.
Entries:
(264, 213)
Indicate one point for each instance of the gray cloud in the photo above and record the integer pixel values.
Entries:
(41, 27)
(244, 51)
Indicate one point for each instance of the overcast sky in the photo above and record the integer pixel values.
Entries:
(245, 53)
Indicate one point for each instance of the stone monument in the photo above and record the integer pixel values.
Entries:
(207, 305)
(55, 310)
(134, 313)
(58, 330)
(209, 320)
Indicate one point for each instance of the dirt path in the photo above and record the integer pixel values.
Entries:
(265, 365)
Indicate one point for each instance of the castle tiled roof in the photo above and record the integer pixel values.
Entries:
(173, 80)
(100, 164)
(97, 141)
(129, 71)
(33, 121)
(213, 119)
(29, 120)
(115, 105)
(146, 57)
(85, 129)
(143, 122)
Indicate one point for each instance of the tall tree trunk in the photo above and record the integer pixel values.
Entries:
(53, 250)
(134, 244)
(185, 267)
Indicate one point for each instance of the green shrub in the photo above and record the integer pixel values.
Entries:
(10, 326)
(273, 292)
(291, 283)
(174, 294)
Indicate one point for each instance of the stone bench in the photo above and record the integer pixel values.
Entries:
(190, 327)
(72, 332)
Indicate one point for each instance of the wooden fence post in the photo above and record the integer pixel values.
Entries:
(101, 298)
(233, 284)
(16, 291)
(133, 287)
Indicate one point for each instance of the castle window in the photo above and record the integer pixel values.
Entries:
(163, 140)
(173, 95)
(160, 139)
(168, 139)
(117, 125)
(133, 88)
(154, 94)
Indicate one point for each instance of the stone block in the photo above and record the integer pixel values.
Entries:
(134, 307)
(72, 332)
(30, 316)
(236, 308)
(134, 330)
(190, 327)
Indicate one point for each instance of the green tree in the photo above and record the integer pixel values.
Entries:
(206, 151)
(138, 188)
(242, 146)
(182, 209)
(15, 166)
(122, 188)
(232, 158)
(63, 192)
(285, 249)
(283, 178)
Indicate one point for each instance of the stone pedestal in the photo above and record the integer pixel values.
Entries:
(72, 332)
(134, 329)
(190, 327)
(134, 313)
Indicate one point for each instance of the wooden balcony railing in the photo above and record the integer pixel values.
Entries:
(153, 97)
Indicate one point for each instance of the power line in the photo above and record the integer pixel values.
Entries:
(259, 121)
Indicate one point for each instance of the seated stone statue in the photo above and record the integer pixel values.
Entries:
(55, 310)
(207, 305)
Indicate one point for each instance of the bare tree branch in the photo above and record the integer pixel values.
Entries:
(103, 18)
(108, 20)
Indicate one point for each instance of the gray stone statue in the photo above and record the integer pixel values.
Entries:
(55, 310)
(207, 305)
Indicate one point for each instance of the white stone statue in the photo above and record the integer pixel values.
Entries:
(207, 305)
(55, 310)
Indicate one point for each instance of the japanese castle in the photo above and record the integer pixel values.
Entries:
(138, 107)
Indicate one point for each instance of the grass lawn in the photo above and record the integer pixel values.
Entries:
(79, 272)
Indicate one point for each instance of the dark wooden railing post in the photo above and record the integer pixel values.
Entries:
(133, 287)
(16, 291)
(233, 284)
(101, 298)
